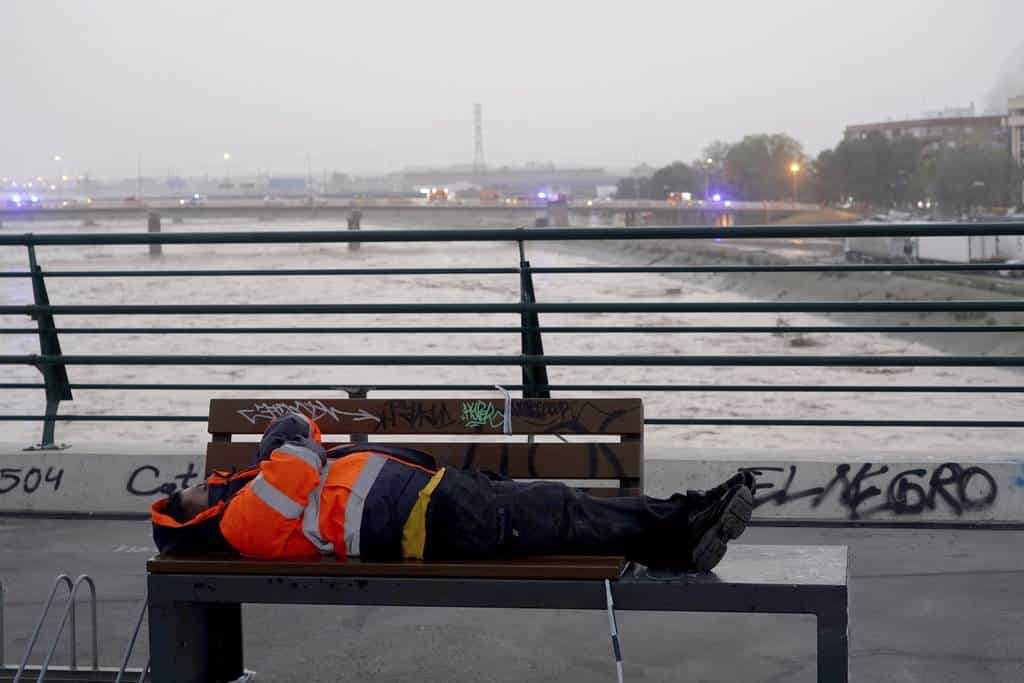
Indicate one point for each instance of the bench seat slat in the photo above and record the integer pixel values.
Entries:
(555, 567)
(516, 460)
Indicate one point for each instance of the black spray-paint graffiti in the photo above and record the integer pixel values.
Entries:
(544, 409)
(569, 417)
(146, 480)
(469, 457)
(30, 479)
(416, 415)
(561, 417)
(909, 492)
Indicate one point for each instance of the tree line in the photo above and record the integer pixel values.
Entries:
(954, 176)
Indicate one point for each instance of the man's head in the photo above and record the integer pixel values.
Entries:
(187, 503)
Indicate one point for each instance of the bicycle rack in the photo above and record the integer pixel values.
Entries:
(62, 578)
(24, 672)
(2, 657)
(70, 611)
(131, 646)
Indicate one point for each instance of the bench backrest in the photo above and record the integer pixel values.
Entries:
(483, 435)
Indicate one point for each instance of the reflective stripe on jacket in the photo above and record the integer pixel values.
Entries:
(302, 504)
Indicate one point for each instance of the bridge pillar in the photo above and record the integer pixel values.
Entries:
(558, 213)
(355, 219)
(153, 226)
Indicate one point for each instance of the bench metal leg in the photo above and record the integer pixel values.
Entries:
(833, 645)
(193, 642)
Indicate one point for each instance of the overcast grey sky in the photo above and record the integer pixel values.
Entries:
(378, 85)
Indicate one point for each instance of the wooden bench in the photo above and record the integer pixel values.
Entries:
(195, 602)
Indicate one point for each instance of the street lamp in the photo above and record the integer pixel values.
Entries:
(794, 168)
(57, 159)
(227, 169)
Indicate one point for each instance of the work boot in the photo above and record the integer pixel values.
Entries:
(744, 478)
(702, 499)
(719, 520)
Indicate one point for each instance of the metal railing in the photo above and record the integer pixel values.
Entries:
(3, 635)
(534, 363)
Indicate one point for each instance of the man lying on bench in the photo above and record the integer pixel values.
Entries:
(381, 502)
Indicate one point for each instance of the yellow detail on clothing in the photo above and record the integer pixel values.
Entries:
(414, 533)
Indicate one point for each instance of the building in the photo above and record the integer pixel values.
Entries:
(948, 125)
(1015, 122)
(952, 125)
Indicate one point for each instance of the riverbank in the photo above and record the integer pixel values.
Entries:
(840, 287)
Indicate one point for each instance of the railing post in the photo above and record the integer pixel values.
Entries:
(355, 219)
(357, 393)
(55, 376)
(153, 226)
(534, 376)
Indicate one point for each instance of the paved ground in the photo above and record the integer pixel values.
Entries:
(937, 606)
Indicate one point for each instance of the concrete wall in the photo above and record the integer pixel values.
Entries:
(887, 487)
(92, 480)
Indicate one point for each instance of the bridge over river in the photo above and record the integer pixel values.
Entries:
(454, 212)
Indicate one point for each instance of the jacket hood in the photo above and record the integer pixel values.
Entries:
(199, 535)
(287, 428)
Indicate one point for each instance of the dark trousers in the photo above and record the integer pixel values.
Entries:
(474, 516)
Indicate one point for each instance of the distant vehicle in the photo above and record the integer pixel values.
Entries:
(271, 200)
(879, 249)
(1013, 273)
(133, 201)
(945, 249)
(677, 197)
(490, 195)
(195, 200)
(22, 201)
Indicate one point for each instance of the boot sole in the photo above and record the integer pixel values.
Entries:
(730, 525)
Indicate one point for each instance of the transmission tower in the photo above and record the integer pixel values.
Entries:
(479, 166)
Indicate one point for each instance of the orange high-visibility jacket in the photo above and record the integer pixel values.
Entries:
(367, 503)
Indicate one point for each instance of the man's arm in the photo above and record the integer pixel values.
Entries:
(265, 518)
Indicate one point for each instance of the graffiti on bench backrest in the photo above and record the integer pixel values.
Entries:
(314, 410)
